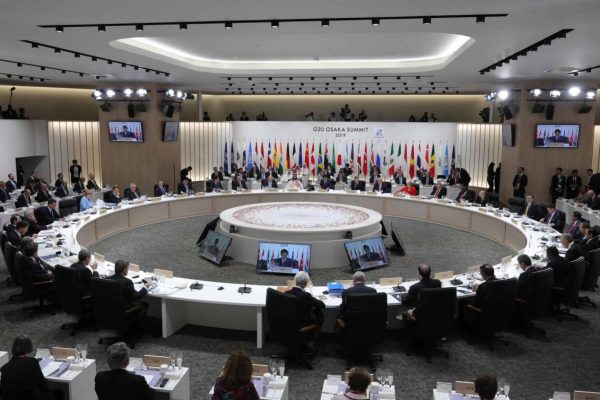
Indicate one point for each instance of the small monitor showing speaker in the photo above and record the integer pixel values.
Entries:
(214, 247)
(170, 131)
(564, 136)
(367, 254)
(125, 131)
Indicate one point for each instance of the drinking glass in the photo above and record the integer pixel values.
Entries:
(390, 378)
(179, 359)
(501, 383)
(273, 368)
(84, 352)
(78, 349)
(281, 368)
(173, 359)
(379, 375)
(506, 388)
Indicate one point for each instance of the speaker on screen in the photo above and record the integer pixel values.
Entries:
(211, 226)
(131, 110)
(550, 112)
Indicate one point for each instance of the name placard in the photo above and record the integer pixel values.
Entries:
(346, 282)
(292, 189)
(259, 369)
(155, 361)
(155, 199)
(444, 387)
(272, 190)
(62, 353)
(199, 194)
(225, 191)
(98, 257)
(134, 268)
(390, 281)
(372, 193)
(473, 270)
(163, 272)
(322, 190)
(444, 275)
(579, 395)
(463, 387)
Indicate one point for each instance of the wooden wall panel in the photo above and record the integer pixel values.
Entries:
(477, 145)
(203, 145)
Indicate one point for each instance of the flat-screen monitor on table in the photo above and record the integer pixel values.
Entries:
(366, 254)
(214, 246)
(283, 258)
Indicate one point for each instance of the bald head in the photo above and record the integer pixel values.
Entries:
(424, 270)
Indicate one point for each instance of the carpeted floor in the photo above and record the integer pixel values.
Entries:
(566, 359)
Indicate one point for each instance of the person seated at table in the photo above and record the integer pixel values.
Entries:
(359, 380)
(48, 214)
(160, 189)
(4, 193)
(558, 265)
(553, 218)
(235, 381)
(573, 228)
(86, 269)
(574, 250)
(238, 183)
(357, 184)
(34, 226)
(486, 387)
(59, 179)
(61, 190)
(43, 194)
(399, 177)
(261, 174)
(24, 199)
(86, 201)
(341, 177)
(583, 228)
(114, 196)
(39, 271)
(373, 174)
(378, 186)
(411, 299)
(533, 210)
(132, 192)
(79, 187)
(129, 293)
(481, 198)
(211, 186)
(268, 183)
(309, 310)
(409, 189)
(590, 241)
(22, 377)
(295, 183)
(523, 284)
(33, 182)
(118, 383)
(216, 174)
(326, 182)
(592, 200)
(358, 286)
(91, 184)
(11, 225)
(15, 237)
(472, 310)
(11, 183)
(284, 260)
(439, 191)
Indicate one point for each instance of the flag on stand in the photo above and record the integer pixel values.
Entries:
(419, 157)
(300, 155)
(312, 158)
(411, 168)
(453, 158)
(432, 162)
(275, 156)
(287, 157)
(372, 162)
(225, 160)
(306, 159)
(249, 166)
(392, 167)
(446, 161)
(294, 156)
(320, 160)
(326, 156)
(385, 160)
(364, 164)
(262, 152)
(345, 160)
(269, 161)
(405, 154)
(352, 164)
(427, 156)
(399, 155)
(333, 158)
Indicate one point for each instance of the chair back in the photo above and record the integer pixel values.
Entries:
(108, 304)
(435, 313)
(69, 290)
(563, 221)
(3, 240)
(386, 187)
(25, 275)
(68, 206)
(18, 392)
(492, 198)
(283, 319)
(539, 293)
(592, 271)
(573, 281)
(366, 320)
(498, 306)
(516, 205)
(9, 258)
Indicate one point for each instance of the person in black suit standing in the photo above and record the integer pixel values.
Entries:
(62, 190)
(497, 175)
(47, 214)
(79, 187)
(86, 269)
(33, 182)
(22, 377)
(24, 199)
(238, 183)
(573, 184)
(357, 184)
(523, 284)
(118, 383)
(11, 183)
(557, 185)
(75, 171)
(490, 177)
(574, 250)
(310, 309)
(43, 194)
(114, 196)
(268, 183)
(558, 265)
(160, 189)
(15, 237)
(520, 183)
(411, 299)
(553, 218)
(439, 191)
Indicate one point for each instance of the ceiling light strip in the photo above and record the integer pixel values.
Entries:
(41, 67)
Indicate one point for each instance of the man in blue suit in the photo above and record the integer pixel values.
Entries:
(553, 218)
(47, 215)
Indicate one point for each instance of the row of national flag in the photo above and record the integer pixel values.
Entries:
(361, 156)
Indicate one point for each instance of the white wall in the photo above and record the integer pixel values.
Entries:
(23, 138)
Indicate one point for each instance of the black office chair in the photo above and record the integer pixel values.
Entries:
(68, 206)
(534, 303)
(417, 188)
(285, 328)
(492, 199)
(3, 240)
(71, 297)
(111, 311)
(105, 196)
(569, 294)
(590, 276)
(496, 312)
(563, 219)
(432, 320)
(9, 258)
(365, 321)
(27, 392)
(34, 290)
(516, 205)
(386, 187)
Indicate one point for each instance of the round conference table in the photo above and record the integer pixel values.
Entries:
(220, 305)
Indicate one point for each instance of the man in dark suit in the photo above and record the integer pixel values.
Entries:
(86, 269)
(284, 260)
(378, 185)
(573, 228)
(46, 215)
(4, 193)
(533, 210)
(310, 309)
(12, 224)
(34, 226)
(33, 181)
(11, 183)
(574, 250)
(523, 284)
(130, 295)
(185, 173)
(43, 194)
(553, 217)
(24, 199)
(211, 186)
(326, 182)
(439, 190)
(215, 174)
(472, 311)
(573, 184)
(79, 187)
(118, 383)
(520, 183)
(132, 192)
(593, 201)
(358, 286)
(399, 177)
(114, 196)
(39, 271)
(268, 183)
(160, 189)
(559, 266)
(590, 241)
(261, 174)
(62, 190)
(92, 184)
(341, 177)
(75, 171)
(557, 185)
(462, 177)
(369, 255)
(238, 183)
(357, 184)
(411, 299)
(15, 237)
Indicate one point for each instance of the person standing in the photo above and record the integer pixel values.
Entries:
(557, 185)
(520, 183)
(497, 179)
(490, 177)
(573, 184)
(75, 171)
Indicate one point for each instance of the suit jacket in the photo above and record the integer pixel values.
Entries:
(523, 283)
(412, 297)
(357, 288)
(400, 179)
(38, 272)
(442, 193)
(557, 185)
(465, 178)
(210, 186)
(120, 384)
(590, 244)
(92, 185)
(235, 185)
(4, 195)
(43, 196)
(78, 187)
(265, 184)
(360, 185)
(129, 292)
(561, 269)
(34, 226)
(46, 215)
(594, 202)
(573, 185)
(481, 292)
(326, 183)
(521, 181)
(11, 186)
(85, 276)
(61, 191)
(307, 305)
(481, 201)
(14, 238)
(25, 373)
(535, 211)
(131, 195)
(554, 220)
(159, 192)
(23, 201)
(75, 171)
(112, 198)
(574, 252)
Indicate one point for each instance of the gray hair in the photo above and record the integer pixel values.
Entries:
(117, 355)
(566, 237)
(29, 212)
(302, 279)
(359, 276)
(83, 254)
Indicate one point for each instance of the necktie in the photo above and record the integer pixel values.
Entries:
(437, 192)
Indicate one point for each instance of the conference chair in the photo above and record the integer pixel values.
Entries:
(534, 303)
(563, 220)
(365, 321)
(285, 327)
(496, 312)
(386, 187)
(431, 321)
(112, 312)
(569, 294)
(71, 297)
(590, 276)
(3, 240)
(417, 188)
(492, 199)
(34, 290)
(105, 196)
(68, 206)
(516, 205)
(9, 258)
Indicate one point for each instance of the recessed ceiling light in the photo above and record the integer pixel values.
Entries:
(228, 25)
(110, 93)
(536, 92)
(590, 94)
(139, 27)
(503, 94)
(101, 28)
(60, 29)
(274, 24)
(555, 93)
(426, 20)
(183, 26)
(480, 19)
(324, 23)
(127, 92)
(375, 22)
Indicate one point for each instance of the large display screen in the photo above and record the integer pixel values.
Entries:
(557, 136)
(283, 258)
(125, 131)
(214, 247)
(366, 254)
(170, 131)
